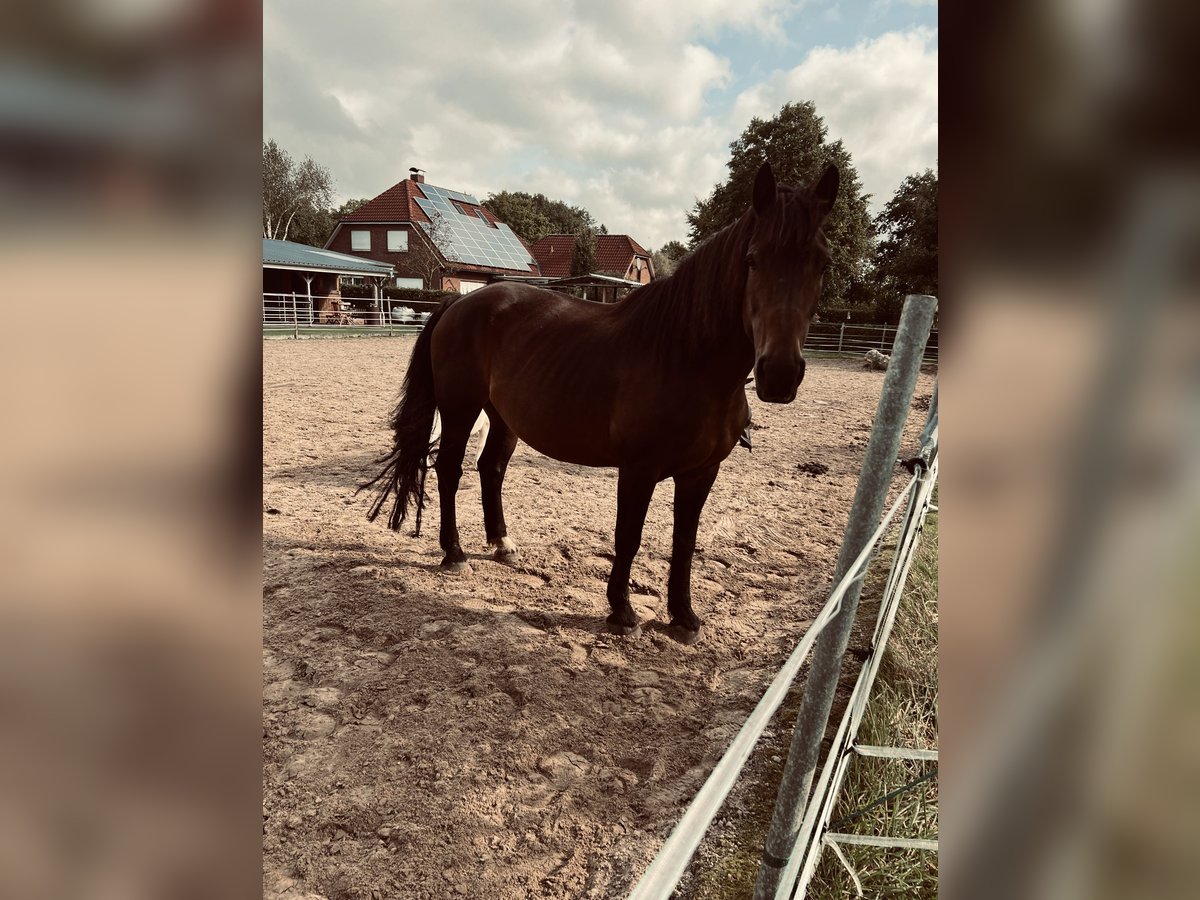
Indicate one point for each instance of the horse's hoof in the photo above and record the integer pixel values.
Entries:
(505, 551)
(685, 636)
(456, 568)
(508, 557)
(625, 630)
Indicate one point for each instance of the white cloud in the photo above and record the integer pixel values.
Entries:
(607, 105)
(879, 97)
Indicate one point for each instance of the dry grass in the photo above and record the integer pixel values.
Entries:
(902, 712)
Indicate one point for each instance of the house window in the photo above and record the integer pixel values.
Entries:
(410, 283)
(397, 241)
(360, 240)
(465, 287)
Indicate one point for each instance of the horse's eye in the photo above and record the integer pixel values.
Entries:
(750, 260)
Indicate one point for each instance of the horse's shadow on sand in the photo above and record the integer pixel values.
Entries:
(351, 471)
(343, 558)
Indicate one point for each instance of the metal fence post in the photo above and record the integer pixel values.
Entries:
(295, 321)
(841, 335)
(821, 684)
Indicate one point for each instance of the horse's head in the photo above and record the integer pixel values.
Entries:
(786, 259)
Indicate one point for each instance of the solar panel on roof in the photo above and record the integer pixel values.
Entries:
(470, 238)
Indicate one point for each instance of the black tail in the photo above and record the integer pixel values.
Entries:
(412, 420)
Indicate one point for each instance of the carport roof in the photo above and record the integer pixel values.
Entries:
(290, 255)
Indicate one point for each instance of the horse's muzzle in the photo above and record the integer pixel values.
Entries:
(776, 379)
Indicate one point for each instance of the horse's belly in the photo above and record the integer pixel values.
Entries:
(579, 447)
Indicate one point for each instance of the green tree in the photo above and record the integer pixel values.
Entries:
(296, 197)
(795, 143)
(312, 226)
(533, 216)
(423, 258)
(583, 254)
(667, 257)
(350, 206)
(906, 260)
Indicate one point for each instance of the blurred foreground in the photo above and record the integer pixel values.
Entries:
(129, 535)
(1071, 469)
(129, 519)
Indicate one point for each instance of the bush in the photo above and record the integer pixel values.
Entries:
(414, 295)
(406, 295)
(357, 291)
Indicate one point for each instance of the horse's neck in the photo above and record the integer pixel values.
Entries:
(699, 319)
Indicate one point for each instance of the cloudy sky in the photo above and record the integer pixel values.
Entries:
(626, 107)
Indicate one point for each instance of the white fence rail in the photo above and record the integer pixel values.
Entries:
(856, 340)
(292, 310)
(295, 311)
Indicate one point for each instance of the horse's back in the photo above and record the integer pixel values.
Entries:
(542, 359)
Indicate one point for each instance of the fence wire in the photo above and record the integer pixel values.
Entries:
(668, 866)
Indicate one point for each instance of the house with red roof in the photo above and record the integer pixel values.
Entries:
(436, 238)
(618, 255)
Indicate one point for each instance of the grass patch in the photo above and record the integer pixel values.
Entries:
(902, 713)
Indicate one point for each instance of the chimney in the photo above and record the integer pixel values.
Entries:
(417, 175)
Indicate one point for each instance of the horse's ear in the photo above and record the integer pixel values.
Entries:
(764, 189)
(824, 192)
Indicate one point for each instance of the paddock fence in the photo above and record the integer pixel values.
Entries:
(800, 829)
(295, 315)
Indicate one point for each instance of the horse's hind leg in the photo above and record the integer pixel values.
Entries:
(456, 430)
(493, 463)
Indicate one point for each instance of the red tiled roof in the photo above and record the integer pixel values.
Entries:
(614, 253)
(553, 253)
(393, 205)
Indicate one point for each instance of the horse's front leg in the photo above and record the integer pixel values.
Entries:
(634, 490)
(691, 492)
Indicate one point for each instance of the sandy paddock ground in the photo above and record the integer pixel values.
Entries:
(429, 735)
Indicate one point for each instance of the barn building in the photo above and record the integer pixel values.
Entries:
(622, 263)
(306, 279)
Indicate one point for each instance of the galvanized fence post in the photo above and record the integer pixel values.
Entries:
(878, 465)
(295, 320)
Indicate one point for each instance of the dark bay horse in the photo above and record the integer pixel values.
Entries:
(653, 385)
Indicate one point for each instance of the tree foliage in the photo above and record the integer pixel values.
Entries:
(906, 261)
(350, 206)
(533, 216)
(583, 254)
(296, 197)
(667, 257)
(795, 143)
(422, 259)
